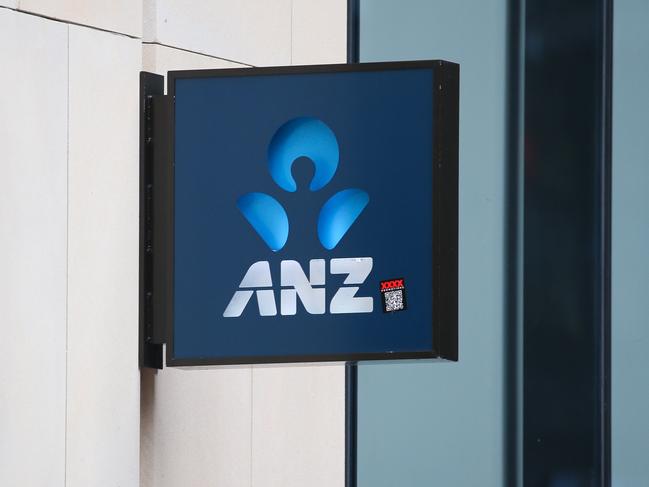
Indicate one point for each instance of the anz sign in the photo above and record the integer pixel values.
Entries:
(312, 214)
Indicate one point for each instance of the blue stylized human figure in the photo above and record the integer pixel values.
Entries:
(311, 138)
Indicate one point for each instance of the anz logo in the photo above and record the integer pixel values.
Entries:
(311, 138)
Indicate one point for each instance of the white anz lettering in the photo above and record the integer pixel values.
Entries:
(313, 298)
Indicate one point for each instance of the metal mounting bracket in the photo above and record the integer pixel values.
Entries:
(154, 167)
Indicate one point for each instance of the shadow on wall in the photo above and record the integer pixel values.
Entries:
(147, 393)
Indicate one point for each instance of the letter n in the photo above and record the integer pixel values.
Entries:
(312, 298)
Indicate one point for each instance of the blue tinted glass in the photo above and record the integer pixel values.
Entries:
(424, 424)
(630, 252)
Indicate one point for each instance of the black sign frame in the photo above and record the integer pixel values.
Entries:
(157, 215)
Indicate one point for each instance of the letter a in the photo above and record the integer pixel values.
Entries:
(258, 275)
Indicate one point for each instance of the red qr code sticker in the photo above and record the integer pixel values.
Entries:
(393, 292)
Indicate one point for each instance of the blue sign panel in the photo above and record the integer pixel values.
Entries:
(314, 213)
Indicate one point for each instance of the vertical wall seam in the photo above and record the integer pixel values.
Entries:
(67, 264)
(291, 55)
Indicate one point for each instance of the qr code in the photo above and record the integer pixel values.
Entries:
(393, 300)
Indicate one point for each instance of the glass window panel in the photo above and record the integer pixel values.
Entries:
(419, 422)
(630, 238)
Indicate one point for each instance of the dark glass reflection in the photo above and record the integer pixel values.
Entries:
(563, 247)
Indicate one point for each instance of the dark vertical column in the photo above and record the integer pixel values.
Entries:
(351, 415)
(566, 243)
(512, 401)
(353, 30)
(351, 368)
(606, 191)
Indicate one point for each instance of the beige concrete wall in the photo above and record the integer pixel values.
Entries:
(33, 249)
(103, 197)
